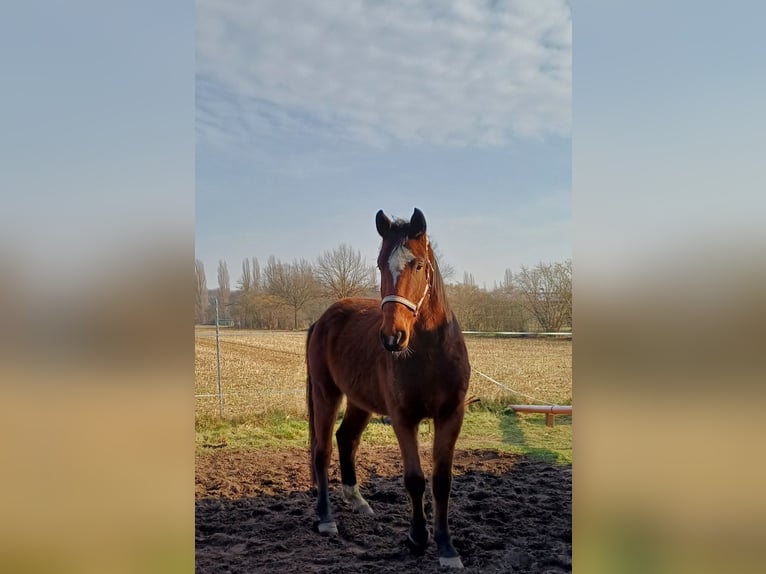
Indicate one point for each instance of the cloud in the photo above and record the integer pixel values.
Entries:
(462, 73)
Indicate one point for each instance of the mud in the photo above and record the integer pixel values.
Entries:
(255, 513)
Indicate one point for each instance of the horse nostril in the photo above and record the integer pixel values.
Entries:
(392, 342)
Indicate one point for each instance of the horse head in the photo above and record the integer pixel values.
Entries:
(406, 273)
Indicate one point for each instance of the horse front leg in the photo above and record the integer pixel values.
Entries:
(414, 482)
(446, 432)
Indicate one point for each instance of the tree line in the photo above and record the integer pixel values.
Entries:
(293, 295)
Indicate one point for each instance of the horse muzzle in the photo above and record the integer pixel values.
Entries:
(395, 342)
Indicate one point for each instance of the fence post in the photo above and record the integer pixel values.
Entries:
(218, 362)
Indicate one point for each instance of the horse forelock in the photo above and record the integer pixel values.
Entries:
(394, 240)
(394, 253)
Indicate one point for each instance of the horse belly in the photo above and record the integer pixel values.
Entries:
(362, 389)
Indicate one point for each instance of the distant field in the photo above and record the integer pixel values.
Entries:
(264, 371)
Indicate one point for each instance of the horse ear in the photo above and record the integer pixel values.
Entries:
(417, 223)
(383, 223)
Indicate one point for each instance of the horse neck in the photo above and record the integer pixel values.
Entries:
(434, 314)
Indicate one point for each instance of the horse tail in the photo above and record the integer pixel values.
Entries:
(310, 407)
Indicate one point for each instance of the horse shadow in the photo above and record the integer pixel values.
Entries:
(513, 433)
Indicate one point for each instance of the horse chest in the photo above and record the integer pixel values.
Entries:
(425, 388)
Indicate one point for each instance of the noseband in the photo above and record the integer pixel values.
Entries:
(406, 302)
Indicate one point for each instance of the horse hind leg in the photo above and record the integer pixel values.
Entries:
(348, 436)
(326, 400)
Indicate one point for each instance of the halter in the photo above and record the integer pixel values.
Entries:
(406, 302)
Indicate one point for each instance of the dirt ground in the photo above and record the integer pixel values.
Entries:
(255, 513)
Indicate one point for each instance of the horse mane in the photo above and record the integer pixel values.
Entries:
(438, 291)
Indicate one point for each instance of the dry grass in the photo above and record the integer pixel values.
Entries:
(540, 368)
(265, 371)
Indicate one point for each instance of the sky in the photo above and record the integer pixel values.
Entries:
(312, 116)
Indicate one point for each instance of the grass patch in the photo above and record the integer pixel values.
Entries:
(491, 426)
(268, 430)
(527, 433)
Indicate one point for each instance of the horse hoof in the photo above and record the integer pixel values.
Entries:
(354, 498)
(453, 562)
(328, 528)
(417, 548)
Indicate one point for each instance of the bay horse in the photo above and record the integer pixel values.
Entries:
(403, 356)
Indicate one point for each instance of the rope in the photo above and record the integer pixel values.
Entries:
(508, 388)
(473, 369)
(295, 391)
(251, 393)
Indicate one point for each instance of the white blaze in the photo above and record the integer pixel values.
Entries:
(398, 259)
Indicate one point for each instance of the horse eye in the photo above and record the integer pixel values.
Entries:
(419, 266)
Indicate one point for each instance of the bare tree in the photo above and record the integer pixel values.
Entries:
(507, 285)
(294, 283)
(546, 291)
(224, 289)
(465, 300)
(481, 310)
(200, 292)
(446, 270)
(342, 272)
(256, 270)
(246, 280)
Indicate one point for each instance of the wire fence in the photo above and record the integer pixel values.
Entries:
(265, 371)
